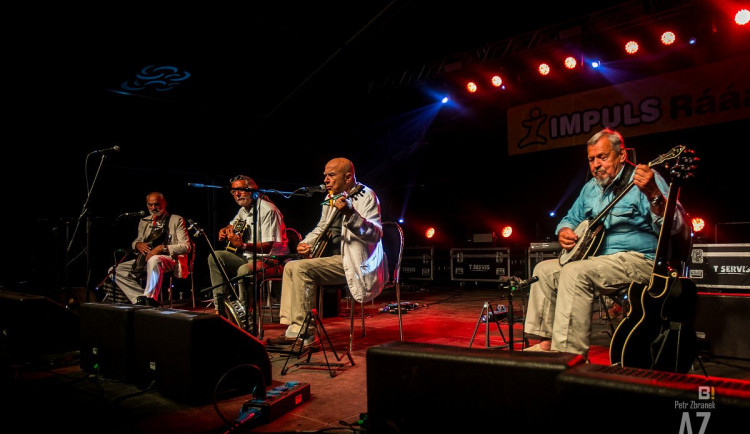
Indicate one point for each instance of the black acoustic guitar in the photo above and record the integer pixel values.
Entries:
(325, 236)
(591, 231)
(658, 331)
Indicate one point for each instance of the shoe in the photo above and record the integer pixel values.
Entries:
(538, 348)
(310, 343)
(141, 300)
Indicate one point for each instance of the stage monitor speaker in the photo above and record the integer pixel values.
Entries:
(419, 387)
(35, 328)
(184, 355)
(620, 400)
(721, 322)
(107, 343)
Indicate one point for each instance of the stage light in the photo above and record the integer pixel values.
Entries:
(401, 220)
(444, 100)
(543, 69)
(570, 62)
(742, 17)
(429, 233)
(631, 47)
(506, 232)
(552, 213)
(698, 224)
(497, 81)
(471, 87)
(692, 41)
(595, 64)
(668, 38)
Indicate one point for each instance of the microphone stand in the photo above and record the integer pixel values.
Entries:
(84, 211)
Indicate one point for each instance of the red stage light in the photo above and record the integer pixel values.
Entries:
(570, 62)
(544, 69)
(471, 87)
(497, 81)
(668, 38)
(631, 47)
(429, 233)
(698, 224)
(506, 232)
(742, 17)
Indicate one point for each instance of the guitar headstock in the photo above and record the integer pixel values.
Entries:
(671, 155)
(685, 166)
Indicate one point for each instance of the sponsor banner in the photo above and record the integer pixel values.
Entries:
(704, 95)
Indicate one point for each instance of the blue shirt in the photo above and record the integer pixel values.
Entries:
(629, 226)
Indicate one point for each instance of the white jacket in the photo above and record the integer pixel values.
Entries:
(364, 262)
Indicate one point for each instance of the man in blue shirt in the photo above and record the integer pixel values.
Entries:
(561, 301)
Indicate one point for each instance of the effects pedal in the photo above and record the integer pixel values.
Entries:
(278, 401)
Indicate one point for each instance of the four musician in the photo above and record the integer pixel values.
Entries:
(560, 303)
(350, 227)
(161, 239)
(236, 258)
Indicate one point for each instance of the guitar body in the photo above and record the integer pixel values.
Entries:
(588, 244)
(659, 332)
(239, 229)
(631, 319)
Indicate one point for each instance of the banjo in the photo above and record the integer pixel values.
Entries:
(591, 231)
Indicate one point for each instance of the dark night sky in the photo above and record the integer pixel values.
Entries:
(278, 91)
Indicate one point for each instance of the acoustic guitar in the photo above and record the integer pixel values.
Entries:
(591, 231)
(325, 236)
(658, 332)
(239, 228)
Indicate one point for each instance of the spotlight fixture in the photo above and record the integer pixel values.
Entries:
(742, 17)
(497, 81)
(570, 62)
(543, 69)
(471, 87)
(668, 38)
(631, 47)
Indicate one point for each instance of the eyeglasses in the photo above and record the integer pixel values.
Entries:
(246, 189)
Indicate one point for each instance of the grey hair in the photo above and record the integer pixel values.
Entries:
(614, 138)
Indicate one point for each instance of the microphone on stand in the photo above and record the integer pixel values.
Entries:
(197, 185)
(115, 148)
(517, 283)
(313, 189)
(133, 214)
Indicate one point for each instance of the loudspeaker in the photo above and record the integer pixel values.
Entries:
(613, 399)
(418, 387)
(107, 343)
(721, 321)
(185, 355)
(35, 327)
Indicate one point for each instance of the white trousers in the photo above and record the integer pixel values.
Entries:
(156, 266)
(561, 302)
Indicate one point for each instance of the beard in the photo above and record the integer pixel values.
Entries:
(603, 180)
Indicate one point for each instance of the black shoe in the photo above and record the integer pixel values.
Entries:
(141, 300)
(281, 340)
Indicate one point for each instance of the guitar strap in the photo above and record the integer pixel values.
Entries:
(624, 180)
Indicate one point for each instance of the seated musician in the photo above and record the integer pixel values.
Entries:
(162, 239)
(560, 303)
(236, 258)
(344, 248)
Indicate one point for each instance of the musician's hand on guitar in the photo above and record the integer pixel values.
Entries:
(304, 249)
(224, 232)
(567, 238)
(343, 204)
(643, 178)
(142, 247)
(234, 239)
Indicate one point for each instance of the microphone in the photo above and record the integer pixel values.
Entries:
(197, 185)
(115, 148)
(316, 189)
(516, 283)
(133, 214)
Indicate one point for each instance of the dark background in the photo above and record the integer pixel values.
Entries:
(278, 90)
